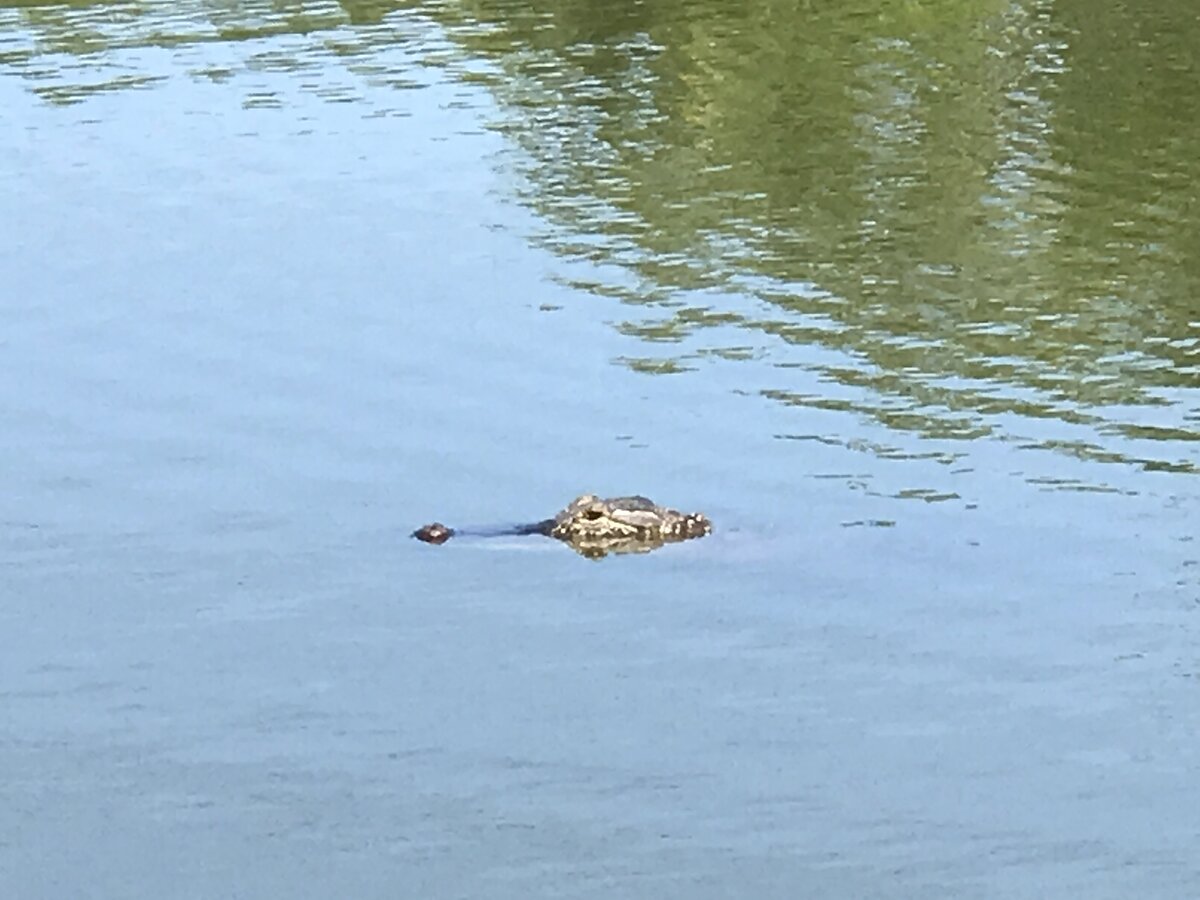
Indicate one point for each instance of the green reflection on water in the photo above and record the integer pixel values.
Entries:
(950, 218)
(983, 209)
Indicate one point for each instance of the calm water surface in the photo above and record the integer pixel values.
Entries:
(905, 296)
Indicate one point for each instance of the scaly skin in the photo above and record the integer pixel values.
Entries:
(595, 527)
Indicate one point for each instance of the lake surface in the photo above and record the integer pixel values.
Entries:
(904, 296)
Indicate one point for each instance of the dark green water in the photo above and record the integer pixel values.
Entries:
(903, 295)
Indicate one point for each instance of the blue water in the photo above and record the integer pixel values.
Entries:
(275, 307)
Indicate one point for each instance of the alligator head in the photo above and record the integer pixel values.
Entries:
(595, 527)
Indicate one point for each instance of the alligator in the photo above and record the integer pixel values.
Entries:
(595, 527)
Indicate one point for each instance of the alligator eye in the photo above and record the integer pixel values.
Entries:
(594, 514)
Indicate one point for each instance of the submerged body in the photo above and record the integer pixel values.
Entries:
(595, 527)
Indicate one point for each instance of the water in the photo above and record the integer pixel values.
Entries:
(905, 299)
